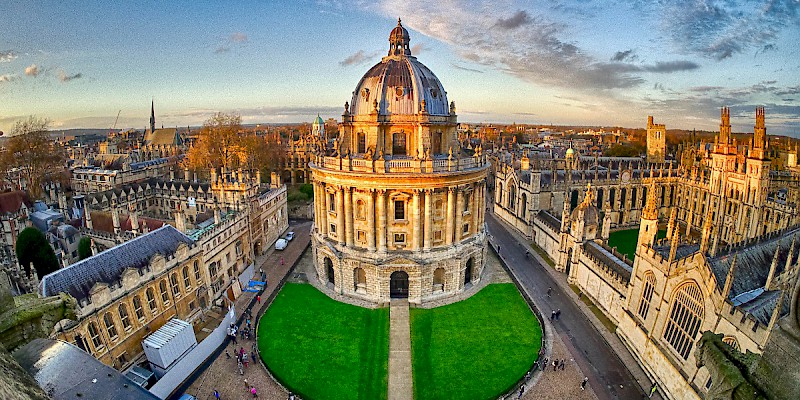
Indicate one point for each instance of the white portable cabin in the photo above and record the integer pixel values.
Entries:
(168, 344)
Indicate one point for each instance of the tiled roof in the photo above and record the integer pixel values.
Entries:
(604, 256)
(108, 266)
(11, 202)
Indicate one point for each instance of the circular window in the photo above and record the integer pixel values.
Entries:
(365, 93)
(398, 91)
(434, 93)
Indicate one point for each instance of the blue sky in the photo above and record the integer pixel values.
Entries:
(562, 62)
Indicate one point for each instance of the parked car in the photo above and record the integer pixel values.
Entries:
(281, 244)
(289, 236)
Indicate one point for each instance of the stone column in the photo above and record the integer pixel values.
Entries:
(323, 209)
(371, 221)
(416, 224)
(451, 214)
(381, 220)
(428, 220)
(475, 207)
(340, 228)
(459, 215)
(348, 215)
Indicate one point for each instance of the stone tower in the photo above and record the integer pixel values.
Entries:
(656, 141)
(152, 116)
(399, 206)
(318, 128)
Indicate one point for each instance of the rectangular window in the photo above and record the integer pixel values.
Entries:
(399, 238)
(399, 143)
(362, 142)
(399, 210)
(437, 236)
(362, 236)
(331, 201)
(332, 229)
(466, 228)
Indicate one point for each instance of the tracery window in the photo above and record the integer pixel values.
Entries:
(647, 294)
(685, 317)
(731, 341)
(187, 283)
(94, 334)
(123, 316)
(162, 287)
(151, 300)
(137, 307)
(111, 328)
(173, 280)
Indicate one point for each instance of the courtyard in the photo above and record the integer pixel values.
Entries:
(626, 240)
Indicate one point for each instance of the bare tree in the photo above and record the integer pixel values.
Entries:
(32, 155)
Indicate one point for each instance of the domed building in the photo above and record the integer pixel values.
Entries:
(399, 205)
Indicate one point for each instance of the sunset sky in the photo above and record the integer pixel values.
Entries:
(562, 62)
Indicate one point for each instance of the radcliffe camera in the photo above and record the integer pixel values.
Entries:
(458, 200)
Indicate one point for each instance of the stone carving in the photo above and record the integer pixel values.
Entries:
(729, 369)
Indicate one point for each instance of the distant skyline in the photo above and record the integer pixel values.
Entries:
(580, 62)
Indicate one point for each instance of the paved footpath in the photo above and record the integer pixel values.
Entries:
(223, 374)
(401, 384)
(608, 375)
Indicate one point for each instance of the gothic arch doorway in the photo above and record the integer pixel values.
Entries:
(329, 271)
(468, 272)
(398, 285)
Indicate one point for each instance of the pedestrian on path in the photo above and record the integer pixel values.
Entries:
(558, 314)
(553, 315)
(549, 291)
(563, 364)
(241, 368)
(216, 394)
(282, 262)
(259, 299)
(583, 383)
(253, 392)
(246, 385)
(227, 354)
(555, 364)
(245, 359)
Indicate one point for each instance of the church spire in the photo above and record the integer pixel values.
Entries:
(152, 116)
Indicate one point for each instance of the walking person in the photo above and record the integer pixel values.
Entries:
(553, 315)
(227, 354)
(241, 368)
(246, 385)
(258, 298)
(583, 383)
(549, 291)
(216, 394)
(558, 314)
(253, 392)
(245, 359)
(563, 364)
(282, 262)
(555, 364)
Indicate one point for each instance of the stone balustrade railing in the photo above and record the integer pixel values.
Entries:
(401, 165)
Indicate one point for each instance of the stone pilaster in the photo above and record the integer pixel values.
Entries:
(428, 221)
(340, 228)
(381, 220)
(371, 220)
(451, 211)
(348, 215)
(416, 223)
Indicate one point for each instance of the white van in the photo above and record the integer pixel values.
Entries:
(280, 244)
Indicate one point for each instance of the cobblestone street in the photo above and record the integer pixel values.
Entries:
(223, 374)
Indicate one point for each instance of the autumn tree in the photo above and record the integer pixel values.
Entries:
(219, 143)
(32, 154)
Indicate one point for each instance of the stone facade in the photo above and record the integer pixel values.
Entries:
(399, 207)
(726, 265)
(656, 141)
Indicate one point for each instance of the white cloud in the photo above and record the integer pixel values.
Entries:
(33, 70)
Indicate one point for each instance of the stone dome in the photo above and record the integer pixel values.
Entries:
(399, 84)
(586, 210)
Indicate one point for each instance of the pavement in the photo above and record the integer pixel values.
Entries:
(223, 373)
(609, 377)
(401, 384)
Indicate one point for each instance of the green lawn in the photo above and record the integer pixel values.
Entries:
(323, 349)
(474, 349)
(625, 240)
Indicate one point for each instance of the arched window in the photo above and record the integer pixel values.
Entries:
(499, 193)
(523, 207)
(467, 198)
(573, 200)
(438, 280)
(329, 270)
(360, 280)
(94, 334)
(685, 317)
(123, 316)
(151, 300)
(634, 199)
(647, 294)
(173, 280)
(137, 308)
(622, 198)
(600, 197)
(108, 320)
(187, 283)
(162, 287)
(197, 271)
(731, 341)
(360, 210)
(512, 196)
(612, 196)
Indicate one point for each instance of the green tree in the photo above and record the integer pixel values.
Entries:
(85, 248)
(308, 190)
(32, 247)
